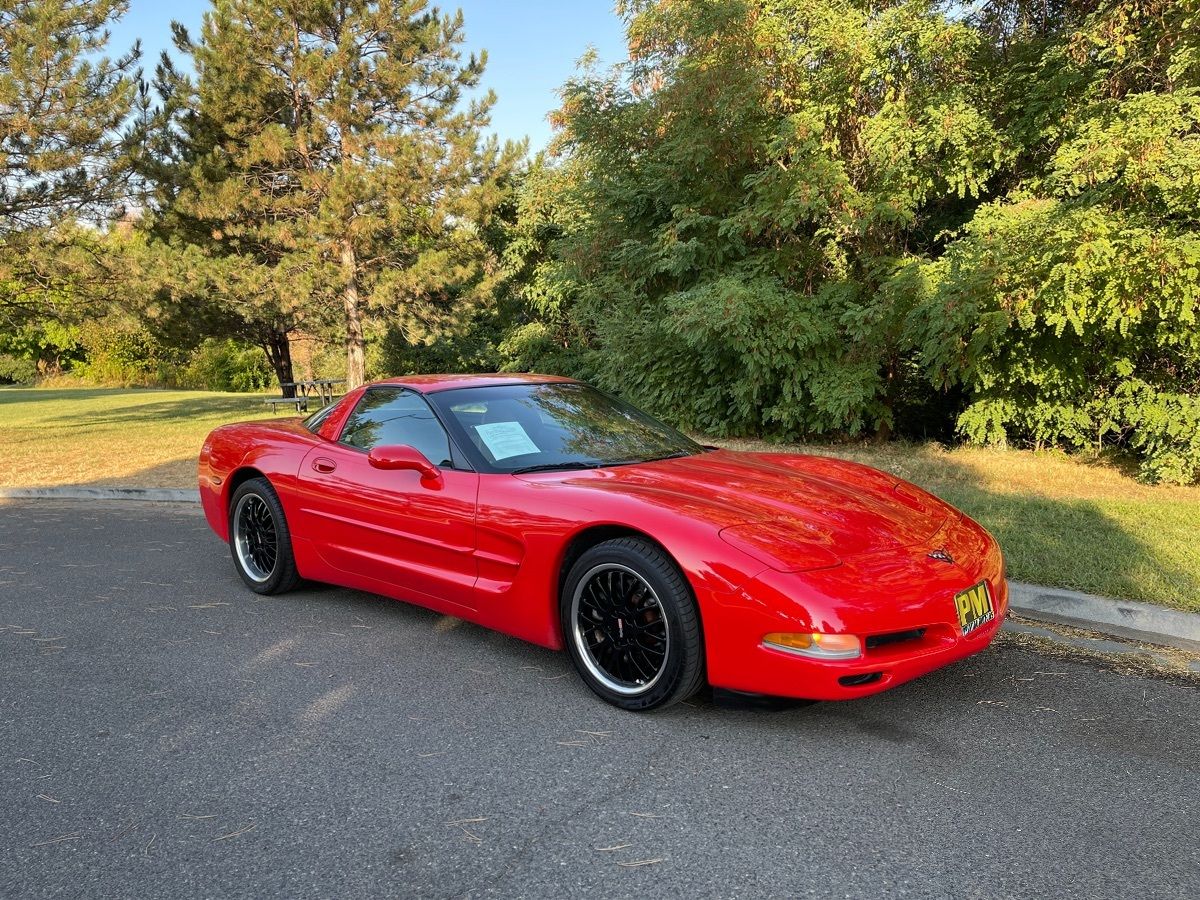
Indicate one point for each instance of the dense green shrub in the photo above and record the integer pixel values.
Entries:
(1070, 308)
(15, 370)
(472, 348)
(828, 217)
(226, 365)
(38, 347)
(740, 199)
(1071, 326)
(121, 351)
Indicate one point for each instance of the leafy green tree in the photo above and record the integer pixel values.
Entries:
(56, 280)
(835, 217)
(752, 185)
(548, 204)
(1068, 307)
(328, 145)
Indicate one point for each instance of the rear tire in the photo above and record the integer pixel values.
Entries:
(631, 625)
(259, 539)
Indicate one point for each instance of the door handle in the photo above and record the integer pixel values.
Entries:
(324, 465)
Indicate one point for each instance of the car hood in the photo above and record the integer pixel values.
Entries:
(792, 512)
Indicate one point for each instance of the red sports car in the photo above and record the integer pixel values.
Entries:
(544, 508)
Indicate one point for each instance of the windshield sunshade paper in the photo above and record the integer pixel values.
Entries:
(505, 439)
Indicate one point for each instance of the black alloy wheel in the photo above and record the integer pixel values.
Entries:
(631, 625)
(259, 539)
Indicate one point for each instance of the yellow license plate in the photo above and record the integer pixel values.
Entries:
(974, 607)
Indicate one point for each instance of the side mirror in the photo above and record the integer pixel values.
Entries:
(401, 456)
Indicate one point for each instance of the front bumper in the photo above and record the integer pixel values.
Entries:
(910, 599)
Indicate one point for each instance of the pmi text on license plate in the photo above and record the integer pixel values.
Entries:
(974, 607)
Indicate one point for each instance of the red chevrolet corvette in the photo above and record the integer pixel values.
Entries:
(546, 509)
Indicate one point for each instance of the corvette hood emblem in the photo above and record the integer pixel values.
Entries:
(942, 555)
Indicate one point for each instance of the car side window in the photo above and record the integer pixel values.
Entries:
(314, 422)
(387, 416)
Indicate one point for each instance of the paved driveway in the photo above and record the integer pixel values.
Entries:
(165, 733)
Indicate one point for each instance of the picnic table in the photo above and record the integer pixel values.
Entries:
(301, 403)
(319, 388)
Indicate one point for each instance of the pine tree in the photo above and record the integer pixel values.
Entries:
(62, 158)
(329, 143)
(61, 108)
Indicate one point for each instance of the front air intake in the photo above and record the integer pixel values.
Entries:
(859, 680)
(894, 637)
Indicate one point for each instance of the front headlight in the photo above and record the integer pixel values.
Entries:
(815, 645)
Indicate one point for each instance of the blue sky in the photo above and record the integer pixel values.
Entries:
(532, 46)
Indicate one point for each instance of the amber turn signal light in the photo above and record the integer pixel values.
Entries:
(815, 644)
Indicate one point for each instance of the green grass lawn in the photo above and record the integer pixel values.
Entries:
(1063, 521)
(111, 436)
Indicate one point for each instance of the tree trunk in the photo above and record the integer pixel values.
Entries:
(356, 369)
(883, 431)
(278, 347)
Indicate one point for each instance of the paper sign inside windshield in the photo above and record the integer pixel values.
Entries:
(505, 439)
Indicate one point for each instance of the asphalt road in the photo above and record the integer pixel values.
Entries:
(163, 732)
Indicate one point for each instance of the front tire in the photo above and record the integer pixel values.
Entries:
(259, 539)
(631, 625)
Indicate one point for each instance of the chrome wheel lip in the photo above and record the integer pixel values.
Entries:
(624, 689)
(242, 539)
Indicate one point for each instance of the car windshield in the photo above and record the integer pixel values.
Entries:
(563, 425)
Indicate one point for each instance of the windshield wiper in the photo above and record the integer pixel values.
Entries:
(635, 460)
(580, 464)
(676, 455)
(552, 467)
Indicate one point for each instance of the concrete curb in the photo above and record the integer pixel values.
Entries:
(152, 495)
(1121, 618)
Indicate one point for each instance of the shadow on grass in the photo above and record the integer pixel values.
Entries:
(1077, 544)
(101, 406)
(181, 472)
(249, 407)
